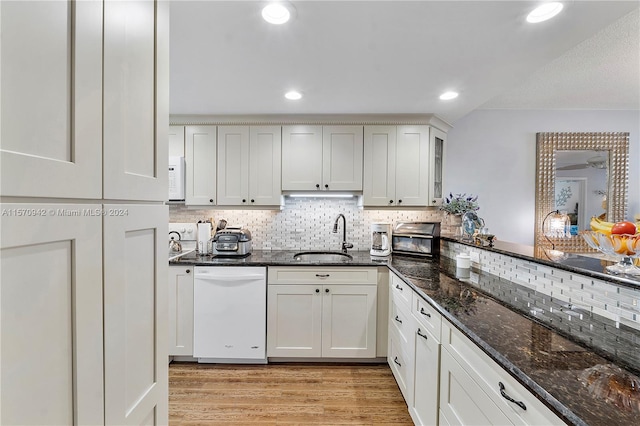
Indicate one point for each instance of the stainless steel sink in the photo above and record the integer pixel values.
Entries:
(322, 256)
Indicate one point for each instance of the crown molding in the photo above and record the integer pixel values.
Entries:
(311, 119)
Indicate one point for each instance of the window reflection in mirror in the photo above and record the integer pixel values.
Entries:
(581, 186)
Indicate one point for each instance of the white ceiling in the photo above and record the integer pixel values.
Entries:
(388, 57)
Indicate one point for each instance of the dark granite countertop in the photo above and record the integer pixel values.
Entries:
(572, 262)
(587, 373)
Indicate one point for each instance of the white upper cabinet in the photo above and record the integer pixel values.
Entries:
(322, 158)
(396, 166)
(437, 139)
(136, 99)
(51, 55)
(200, 164)
(301, 158)
(342, 151)
(379, 187)
(249, 165)
(412, 166)
(176, 141)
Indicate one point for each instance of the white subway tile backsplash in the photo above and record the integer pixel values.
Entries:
(600, 297)
(307, 223)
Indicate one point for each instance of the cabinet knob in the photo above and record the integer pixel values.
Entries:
(326, 290)
(317, 185)
(188, 271)
(399, 201)
(244, 200)
(317, 290)
(390, 201)
(433, 201)
(326, 185)
(211, 200)
(253, 201)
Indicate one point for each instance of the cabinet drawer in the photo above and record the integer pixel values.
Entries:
(488, 375)
(400, 290)
(400, 322)
(400, 364)
(427, 316)
(322, 275)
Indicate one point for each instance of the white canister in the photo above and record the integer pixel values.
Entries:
(463, 265)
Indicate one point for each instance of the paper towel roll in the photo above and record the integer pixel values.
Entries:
(203, 237)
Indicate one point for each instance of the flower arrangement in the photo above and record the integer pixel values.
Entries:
(460, 203)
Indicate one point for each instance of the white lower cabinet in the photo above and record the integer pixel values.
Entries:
(447, 379)
(461, 354)
(321, 312)
(180, 310)
(462, 400)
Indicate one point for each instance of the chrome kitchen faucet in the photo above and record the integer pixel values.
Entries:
(345, 244)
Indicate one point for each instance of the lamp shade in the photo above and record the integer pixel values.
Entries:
(557, 224)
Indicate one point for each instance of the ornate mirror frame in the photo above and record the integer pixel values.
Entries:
(547, 144)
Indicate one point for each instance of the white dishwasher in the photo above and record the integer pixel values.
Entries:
(230, 314)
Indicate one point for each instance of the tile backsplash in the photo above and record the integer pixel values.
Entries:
(307, 223)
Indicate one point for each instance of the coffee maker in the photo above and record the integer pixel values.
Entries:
(380, 239)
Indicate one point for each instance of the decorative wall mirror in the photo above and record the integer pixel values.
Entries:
(575, 172)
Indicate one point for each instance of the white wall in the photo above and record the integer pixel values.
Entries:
(491, 153)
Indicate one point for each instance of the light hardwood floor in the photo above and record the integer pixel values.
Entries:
(284, 394)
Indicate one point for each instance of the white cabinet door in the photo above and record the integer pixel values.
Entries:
(51, 97)
(349, 321)
(400, 363)
(437, 142)
(176, 141)
(424, 403)
(342, 157)
(379, 186)
(136, 100)
(51, 315)
(200, 163)
(301, 158)
(180, 310)
(294, 321)
(233, 165)
(265, 165)
(249, 165)
(412, 166)
(462, 401)
(135, 314)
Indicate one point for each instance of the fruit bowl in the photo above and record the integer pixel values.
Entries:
(624, 246)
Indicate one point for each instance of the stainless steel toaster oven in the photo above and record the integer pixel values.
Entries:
(416, 239)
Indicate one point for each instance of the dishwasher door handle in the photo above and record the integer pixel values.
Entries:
(209, 277)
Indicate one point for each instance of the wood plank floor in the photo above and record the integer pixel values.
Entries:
(284, 394)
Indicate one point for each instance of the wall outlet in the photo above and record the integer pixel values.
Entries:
(475, 257)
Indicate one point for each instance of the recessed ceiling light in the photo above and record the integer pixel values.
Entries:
(448, 96)
(293, 95)
(277, 12)
(544, 12)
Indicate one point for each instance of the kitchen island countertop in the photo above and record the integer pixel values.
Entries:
(581, 383)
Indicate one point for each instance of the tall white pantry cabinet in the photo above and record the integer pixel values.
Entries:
(83, 157)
